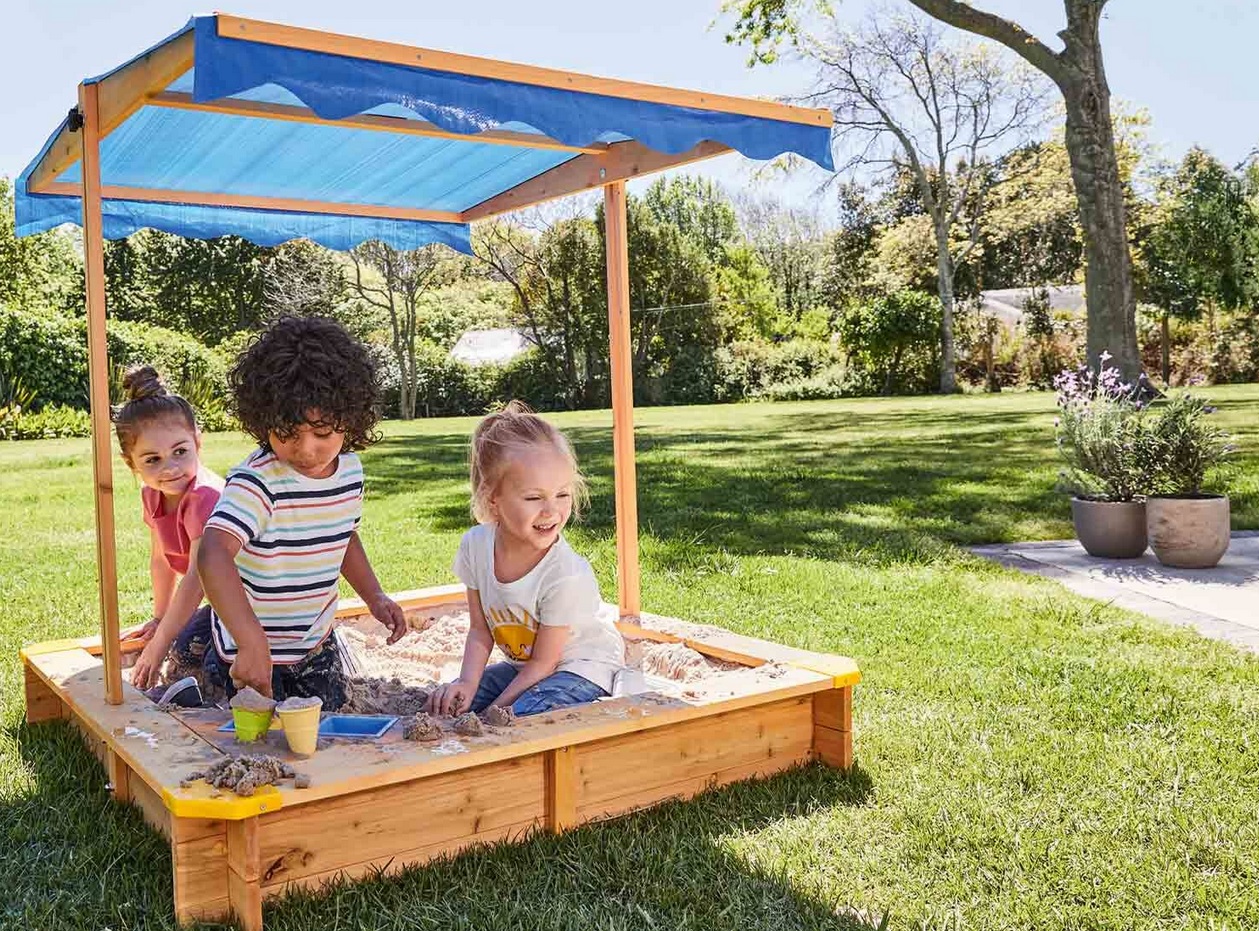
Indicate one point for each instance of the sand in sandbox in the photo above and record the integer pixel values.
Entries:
(680, 663)
(396, 678)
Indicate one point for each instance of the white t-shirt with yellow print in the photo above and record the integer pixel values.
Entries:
(560, 590)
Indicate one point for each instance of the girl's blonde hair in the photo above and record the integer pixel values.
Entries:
(514, 429)
(148, 400)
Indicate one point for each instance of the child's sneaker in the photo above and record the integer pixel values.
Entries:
(185, 693)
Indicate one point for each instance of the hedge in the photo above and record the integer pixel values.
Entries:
(47, 353)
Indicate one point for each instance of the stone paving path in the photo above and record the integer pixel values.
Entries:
(1222, 602)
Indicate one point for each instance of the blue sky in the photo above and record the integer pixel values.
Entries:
(1197, 73)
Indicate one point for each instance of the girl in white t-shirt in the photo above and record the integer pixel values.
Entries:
(529, 594)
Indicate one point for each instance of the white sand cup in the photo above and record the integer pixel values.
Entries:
(300, 719)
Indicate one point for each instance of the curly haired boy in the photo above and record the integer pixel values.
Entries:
(286, 526)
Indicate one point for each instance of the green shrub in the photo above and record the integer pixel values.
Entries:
(1185, 448)
(52, 422)
(828, 384)
(48, 354)
(751, 369)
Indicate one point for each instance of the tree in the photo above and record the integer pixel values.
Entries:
(673, 320)
(1078, 72)
(394, 282)
(1030, 231)
(904, 99)
(698, 209)
(847, 266)
(207, 288)
(37, 272)
(892, 335)
(555, 269)
(1202, 246)
(790, 244)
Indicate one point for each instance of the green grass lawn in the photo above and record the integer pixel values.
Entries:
(1026, 758)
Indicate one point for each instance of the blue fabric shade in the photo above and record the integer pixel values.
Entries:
(167, 149)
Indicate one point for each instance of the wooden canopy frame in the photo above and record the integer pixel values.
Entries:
(105, 105)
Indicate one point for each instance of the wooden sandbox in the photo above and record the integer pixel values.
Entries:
(395, 803)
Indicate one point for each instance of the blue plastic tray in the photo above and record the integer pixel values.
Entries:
(359, 726)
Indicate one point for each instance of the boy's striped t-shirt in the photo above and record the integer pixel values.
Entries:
(293, 532)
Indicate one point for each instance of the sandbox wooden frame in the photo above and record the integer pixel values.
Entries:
(371, 809)
(367, 810)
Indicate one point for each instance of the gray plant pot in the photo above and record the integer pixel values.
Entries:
(1190, 532)
(1110, 529)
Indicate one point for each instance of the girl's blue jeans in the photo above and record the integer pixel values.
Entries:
(558, 690)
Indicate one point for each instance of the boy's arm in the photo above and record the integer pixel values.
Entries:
(358, 572)
(216, 565)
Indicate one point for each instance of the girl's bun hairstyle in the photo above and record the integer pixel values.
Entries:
(142, 381)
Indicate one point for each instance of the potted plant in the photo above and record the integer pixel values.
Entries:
(1100, 433)
(1188, 527)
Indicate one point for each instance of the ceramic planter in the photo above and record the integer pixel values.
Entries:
(1110, 529)
(1190, 531)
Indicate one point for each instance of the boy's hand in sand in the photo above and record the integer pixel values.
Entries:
(252, 665)
(389, 613)
(452, 698)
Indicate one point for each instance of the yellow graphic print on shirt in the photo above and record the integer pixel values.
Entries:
(513, 634)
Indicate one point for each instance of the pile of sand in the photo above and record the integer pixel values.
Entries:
(678, 662)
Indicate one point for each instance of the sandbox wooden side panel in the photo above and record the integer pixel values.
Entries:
(200, 872)
(42, 702)
(622, 774)
(401, 824)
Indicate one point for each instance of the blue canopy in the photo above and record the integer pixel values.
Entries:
(248, 124)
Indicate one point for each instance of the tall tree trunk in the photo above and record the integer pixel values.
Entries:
(1167, 351)
(944, 266)
(1090, 138)
(1108, 287)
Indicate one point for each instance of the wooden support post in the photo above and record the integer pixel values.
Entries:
(244, 873)
(561, 789)
(622, 377)
(199, 870)
(832, 727)
(42, 703)
(119, 775)
(98, 391)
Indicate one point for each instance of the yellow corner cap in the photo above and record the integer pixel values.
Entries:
(842, 670)
(196, 802)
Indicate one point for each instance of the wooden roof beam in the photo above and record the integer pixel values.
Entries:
(250, 202)
(120, 95)
(233, 106)
(622, 161)
(236, 27)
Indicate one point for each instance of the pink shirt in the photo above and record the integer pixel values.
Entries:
(178, 528)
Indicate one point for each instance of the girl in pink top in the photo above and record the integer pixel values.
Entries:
(157, 432)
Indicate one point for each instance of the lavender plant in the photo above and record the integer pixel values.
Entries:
(1101, 434)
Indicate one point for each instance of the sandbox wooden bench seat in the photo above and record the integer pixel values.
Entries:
(394, 803)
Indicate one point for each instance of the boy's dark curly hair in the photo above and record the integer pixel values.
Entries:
(299, 364)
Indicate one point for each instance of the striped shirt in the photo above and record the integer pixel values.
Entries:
(293, 532)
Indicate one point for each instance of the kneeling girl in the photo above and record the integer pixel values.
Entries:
(529, 593)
